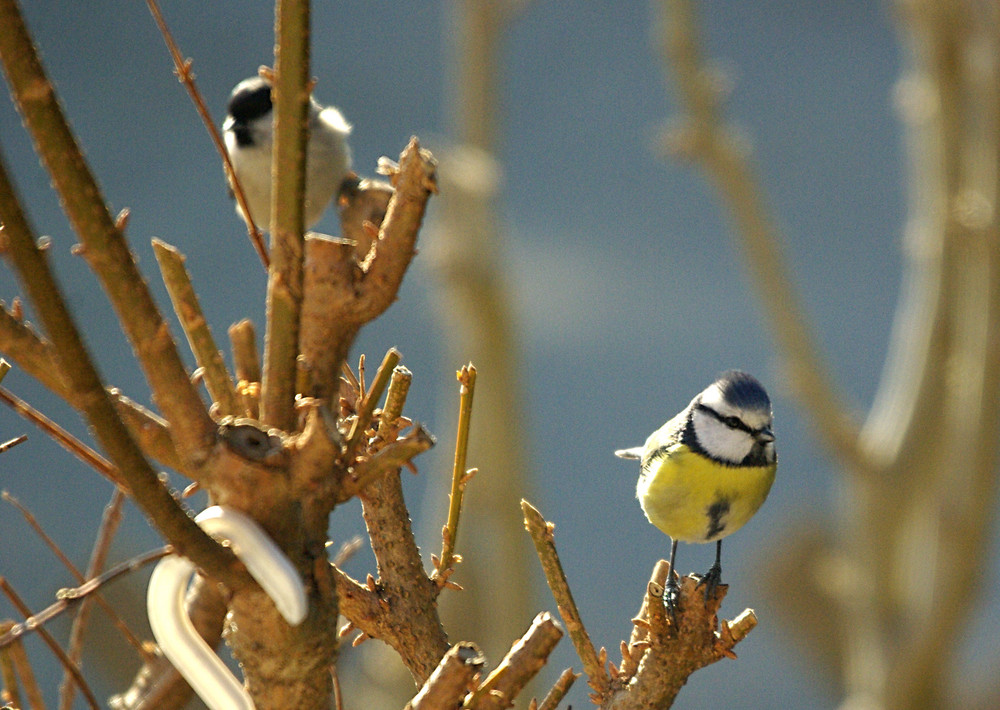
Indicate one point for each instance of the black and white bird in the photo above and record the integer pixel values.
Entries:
(248, 131)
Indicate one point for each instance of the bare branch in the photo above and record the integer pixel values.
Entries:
(68, 597)
(366, 408)
(218, 381)
(288, 175)
(414, 180)
(182, 68)
(525, 659)
(53, 645)
(451, 680)
(13, 663)
(467, 379)
(558, 691)
(668, 650)
(542, 534)
(63, 438)
(150, 431)
(31, 352)
(11, 443)
(391, 457)
(109, 526)
(243, 337)
(104, 246)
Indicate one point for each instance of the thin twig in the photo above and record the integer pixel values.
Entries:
(366, 408)
(467, 379)
(115, 617)
(110, 521)
(182, 69)
(218, 381)
(542, 535)
(62, 437)
(53, 645)
(558, 690)
(14, 663)
(33, 523)
(10, 444)
(67, 597)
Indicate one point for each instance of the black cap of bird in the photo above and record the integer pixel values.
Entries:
(708, 470)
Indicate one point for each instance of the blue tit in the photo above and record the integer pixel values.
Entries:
(709, 469)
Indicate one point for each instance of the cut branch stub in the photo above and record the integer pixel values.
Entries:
(451, 680)
(346, 283)
(663, 653)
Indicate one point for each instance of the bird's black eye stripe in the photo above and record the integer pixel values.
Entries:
(730, 421)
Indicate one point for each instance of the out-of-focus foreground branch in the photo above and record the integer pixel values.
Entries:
(933, 428)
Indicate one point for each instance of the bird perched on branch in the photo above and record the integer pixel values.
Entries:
(248, 131)
(708, 470)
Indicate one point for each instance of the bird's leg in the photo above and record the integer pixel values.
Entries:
(672, 590)
(713, 578)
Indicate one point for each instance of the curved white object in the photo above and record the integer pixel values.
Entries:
(184, 648)
(264, 560)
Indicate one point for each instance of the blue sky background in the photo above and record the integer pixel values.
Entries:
(630, 294)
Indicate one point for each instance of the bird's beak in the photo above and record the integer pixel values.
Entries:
(764, 436)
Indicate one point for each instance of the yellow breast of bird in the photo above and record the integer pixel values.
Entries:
(694, 499)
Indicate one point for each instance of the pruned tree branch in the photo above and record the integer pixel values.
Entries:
(288, 175)
(663, 652)
(526, 658)
(218, 381)
(543, 535)
(104, 246)
(78, 369)
(451, 680)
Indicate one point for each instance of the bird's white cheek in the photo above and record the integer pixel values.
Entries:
(719, 441)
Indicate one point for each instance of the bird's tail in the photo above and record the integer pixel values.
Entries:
(633, 453)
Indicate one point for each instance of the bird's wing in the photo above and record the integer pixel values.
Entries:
(666, 436)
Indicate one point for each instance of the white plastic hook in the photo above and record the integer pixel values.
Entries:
(184, 648)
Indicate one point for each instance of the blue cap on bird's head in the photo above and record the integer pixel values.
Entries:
(743, 390)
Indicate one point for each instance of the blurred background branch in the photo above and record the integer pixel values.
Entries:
(921, 478)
